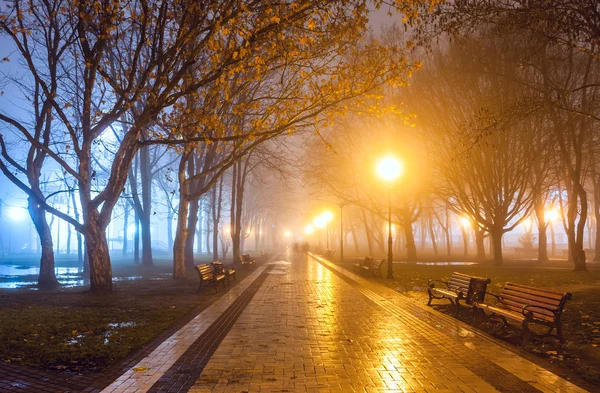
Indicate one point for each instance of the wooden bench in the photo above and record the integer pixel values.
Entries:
(460, 288)
(246, 259)
(374, 268)
(527, 306)
(208, 276)
(358, 266)
(219, 268)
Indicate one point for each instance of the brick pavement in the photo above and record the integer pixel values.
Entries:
(311, 326)
(317, 327)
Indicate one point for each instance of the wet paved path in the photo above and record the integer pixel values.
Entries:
(310, 325)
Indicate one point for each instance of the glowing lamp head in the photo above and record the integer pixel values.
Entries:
(309, 229)
(389, 169)
(327, 216)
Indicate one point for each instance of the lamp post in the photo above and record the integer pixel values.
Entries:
(341, 232)
(319, 223)
(389, 169)
(327, 217)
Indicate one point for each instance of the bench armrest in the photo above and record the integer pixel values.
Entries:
(491, 294)
(431, 284)
(529, 313)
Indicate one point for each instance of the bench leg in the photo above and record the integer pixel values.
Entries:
(559, 333)
(475, 312)
(526, 336)
(430, 297)
(457, 309)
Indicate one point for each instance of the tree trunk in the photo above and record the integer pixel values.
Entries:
(411, 248)
(136, 238)
(367, 231)
(208, 232)
(542, 227)
(576, 231)
(126, 210)
(354, 239)
(98, 257)
(597, 216)
(170, 229)
(215, 225)
(182, 213)
(432, 235)
(47, 276)
(480, 243)
(242, 172)
(448, 232)
(69, 227)
(465, 237)
(146, 213)
(146, 238)
(192, 222)
(200, 229)
(496, 235)
(80, 250)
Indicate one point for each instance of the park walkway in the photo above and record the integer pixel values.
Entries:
(309, 325)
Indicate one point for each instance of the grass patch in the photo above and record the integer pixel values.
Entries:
(78, 331)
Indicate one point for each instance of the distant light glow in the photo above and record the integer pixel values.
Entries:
(309, 229)
(319, 222)
(465, 222)
(389, 168)
(327, 216)
(527, 223)
(17, 213)
(287, 234)
(131, 230)
(551, 215)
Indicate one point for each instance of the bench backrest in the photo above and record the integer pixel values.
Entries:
(515, 296)
(218, 266)
(205, 272)
(472, 287)
(376, 265)
(367, 262)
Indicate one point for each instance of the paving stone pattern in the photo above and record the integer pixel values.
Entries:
(310, 329)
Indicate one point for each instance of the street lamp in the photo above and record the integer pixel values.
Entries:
(389, 169)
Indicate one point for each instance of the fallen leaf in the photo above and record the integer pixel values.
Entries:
(140, 368)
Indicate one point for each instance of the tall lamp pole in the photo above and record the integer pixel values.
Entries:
(389, 169)
(390, 272)
(341, 232)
